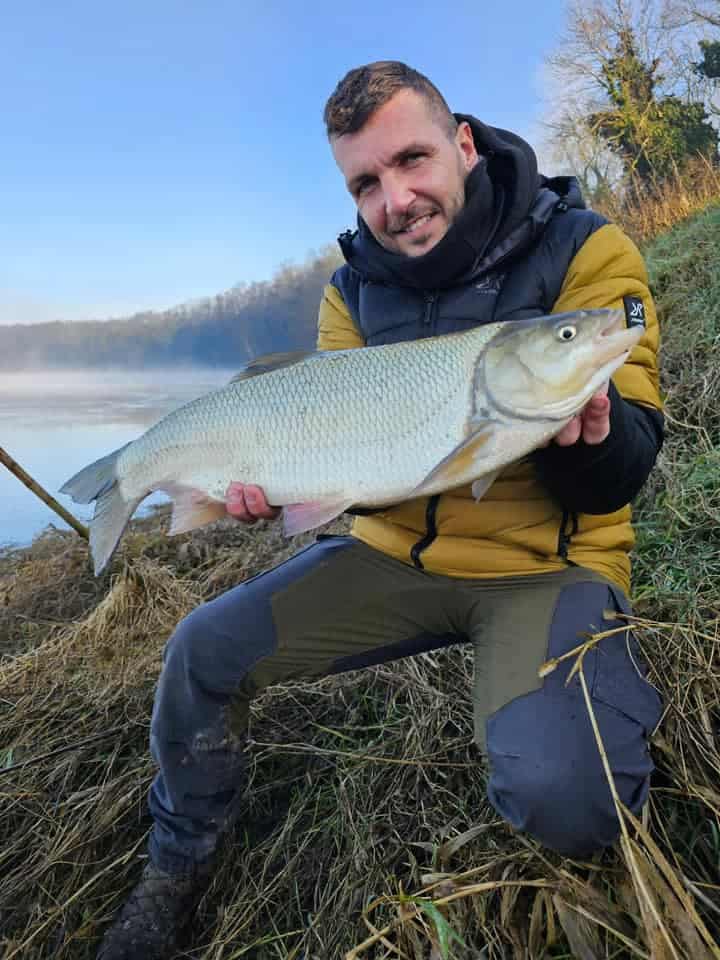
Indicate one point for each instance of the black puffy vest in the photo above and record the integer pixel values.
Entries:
(519, 279)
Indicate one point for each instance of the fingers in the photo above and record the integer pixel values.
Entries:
(247, 503)
(570, 433)
(596, 419)
(235, 503)
(592, 423)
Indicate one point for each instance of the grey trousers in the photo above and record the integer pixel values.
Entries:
(339, 605)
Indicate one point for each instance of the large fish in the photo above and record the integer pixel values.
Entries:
(367, 427)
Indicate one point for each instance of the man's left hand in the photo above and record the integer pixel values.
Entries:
(592, 423)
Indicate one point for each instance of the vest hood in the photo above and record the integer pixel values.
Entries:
(501, 199)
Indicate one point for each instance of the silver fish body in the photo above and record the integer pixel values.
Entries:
(365, 427)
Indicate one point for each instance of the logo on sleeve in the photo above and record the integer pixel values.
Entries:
(634, 311)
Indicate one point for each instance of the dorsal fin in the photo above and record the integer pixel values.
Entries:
(272, 361)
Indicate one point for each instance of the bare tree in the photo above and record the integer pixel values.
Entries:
(593, 32)
(705, 12)
(570, 146)
(625, 68)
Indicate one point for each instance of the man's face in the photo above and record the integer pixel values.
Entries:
(406, 177)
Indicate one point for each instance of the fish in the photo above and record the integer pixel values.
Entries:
(369, 427)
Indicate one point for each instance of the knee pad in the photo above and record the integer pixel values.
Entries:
(547, 777)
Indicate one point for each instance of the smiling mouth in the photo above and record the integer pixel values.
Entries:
(416, 224)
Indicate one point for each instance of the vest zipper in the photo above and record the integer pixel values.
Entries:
(430, 531)
(430, 301)
(564, 537)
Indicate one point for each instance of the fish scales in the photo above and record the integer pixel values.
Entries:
(377, 420)
(362, 427)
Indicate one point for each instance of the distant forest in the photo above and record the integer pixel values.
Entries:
(225, 330)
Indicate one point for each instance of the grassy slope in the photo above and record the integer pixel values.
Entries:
(366, 788)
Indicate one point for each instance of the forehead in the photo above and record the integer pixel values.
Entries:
(406, 119)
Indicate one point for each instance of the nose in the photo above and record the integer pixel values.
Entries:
(397, 195)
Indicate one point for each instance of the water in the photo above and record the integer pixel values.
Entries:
(53, 424)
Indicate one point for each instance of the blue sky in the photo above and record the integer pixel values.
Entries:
(159, 151)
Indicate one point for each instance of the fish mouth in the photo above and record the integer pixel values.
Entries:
(613, 344)
(615, 339)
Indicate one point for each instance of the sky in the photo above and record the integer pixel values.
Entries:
(154, 152)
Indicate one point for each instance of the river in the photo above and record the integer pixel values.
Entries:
(54, 423)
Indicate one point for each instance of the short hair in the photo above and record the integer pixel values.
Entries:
(365, 89)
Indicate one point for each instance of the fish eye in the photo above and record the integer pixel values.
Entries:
(567, 332)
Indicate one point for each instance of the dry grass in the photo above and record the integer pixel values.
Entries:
(649, 209)
(365, 832)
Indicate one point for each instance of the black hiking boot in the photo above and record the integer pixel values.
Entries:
(152, 923)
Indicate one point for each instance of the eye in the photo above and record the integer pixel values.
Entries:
(566, 333)
(363, 187)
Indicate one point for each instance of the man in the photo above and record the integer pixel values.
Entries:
(455, 228)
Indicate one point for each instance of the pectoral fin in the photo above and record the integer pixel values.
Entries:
(464, 462)
(192, 508)
(481, 486)
(299, 517)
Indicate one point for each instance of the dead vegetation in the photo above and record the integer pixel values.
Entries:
(365, 832)
(648, 208)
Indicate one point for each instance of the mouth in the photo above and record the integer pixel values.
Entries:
(415, 224)
(615, 338)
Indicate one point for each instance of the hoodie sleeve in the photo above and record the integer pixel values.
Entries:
(336, 330)
(604, 477)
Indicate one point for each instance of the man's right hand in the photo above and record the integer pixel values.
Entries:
(247, 503)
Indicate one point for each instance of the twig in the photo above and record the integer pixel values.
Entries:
(620, 811)
(578, 651)
(24, 477)
(696, 892)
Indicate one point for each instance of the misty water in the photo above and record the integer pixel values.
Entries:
(54, 423)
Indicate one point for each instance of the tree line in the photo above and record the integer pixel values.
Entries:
(245, 321)
(636, 106)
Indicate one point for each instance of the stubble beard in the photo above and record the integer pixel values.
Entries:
(418, 240)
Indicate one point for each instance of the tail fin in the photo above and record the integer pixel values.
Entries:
(98, 482)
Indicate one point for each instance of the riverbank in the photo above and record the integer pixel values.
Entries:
(366, 811)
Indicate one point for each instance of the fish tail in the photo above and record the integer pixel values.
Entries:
(98, 482)
(90, 482)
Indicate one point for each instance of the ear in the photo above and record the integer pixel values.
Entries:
(466, 145)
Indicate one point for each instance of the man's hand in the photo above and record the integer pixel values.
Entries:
(247, 503)
(592, 423)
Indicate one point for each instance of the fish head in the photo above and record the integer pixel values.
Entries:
(549, 367)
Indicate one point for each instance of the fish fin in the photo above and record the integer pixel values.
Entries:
(192, 508)
(272, 361)
(112, 514)
(91, 482)
(98, 481)
(481, 486)
(299, 517)
(453, 470)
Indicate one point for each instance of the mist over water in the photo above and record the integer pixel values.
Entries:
(53, 423)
